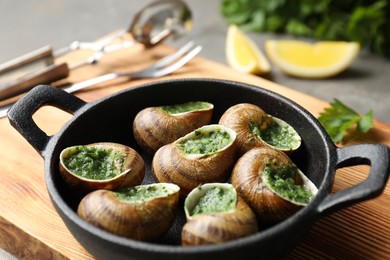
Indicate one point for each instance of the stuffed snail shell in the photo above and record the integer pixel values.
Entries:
(255, 128)
(143, 212)
(271, 184)
(101, 166)
(216, 214)
(154, 127)
(207, 154)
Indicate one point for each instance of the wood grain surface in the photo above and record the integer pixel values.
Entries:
(31, 228)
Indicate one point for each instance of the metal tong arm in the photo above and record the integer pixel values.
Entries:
(94, 46)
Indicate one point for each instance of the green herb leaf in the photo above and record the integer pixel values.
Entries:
(338, 118)
(366, 122)
(363, 21)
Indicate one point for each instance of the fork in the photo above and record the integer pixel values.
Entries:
(160, 68)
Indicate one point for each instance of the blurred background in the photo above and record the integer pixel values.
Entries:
(31, 24)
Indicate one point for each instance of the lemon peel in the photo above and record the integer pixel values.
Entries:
(312, 60)
(242, 53)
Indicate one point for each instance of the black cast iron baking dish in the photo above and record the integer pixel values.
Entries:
(110, 119)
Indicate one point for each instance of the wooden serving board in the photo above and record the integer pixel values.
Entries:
(31, 228)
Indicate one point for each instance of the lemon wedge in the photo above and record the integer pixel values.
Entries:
(243, 55)
(312, 60)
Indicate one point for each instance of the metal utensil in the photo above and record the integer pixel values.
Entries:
(111, 119)
(150, 26)
(160, 68)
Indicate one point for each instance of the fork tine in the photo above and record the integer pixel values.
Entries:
(162, 71)
(169, 69)
(168, 59)
(154, 71)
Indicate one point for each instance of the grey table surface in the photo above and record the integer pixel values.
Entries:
(34, 23)
(30, 24)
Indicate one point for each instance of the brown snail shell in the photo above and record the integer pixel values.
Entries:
(132, 169)
(214, 228)
(251, 184)
(242, 117)
(171, 164)
(143, 220)
(154, 127)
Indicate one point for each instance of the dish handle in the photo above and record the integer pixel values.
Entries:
(20, 114)
(377, 156)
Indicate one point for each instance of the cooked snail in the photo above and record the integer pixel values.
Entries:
(271, 184)
(204, 155)
(143, 212)
(154, 127)
(255, 128)
(216, 214)
(101, 166)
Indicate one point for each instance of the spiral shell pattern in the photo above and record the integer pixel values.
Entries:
(171, 164)
(215, 228)
(267, 205)
(133, 170)
(143, 221)
(153, 127)
(242, 116)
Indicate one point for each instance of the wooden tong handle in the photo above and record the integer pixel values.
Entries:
(45, 75)
(45, 53)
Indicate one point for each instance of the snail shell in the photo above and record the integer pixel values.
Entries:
(253, 184)
(140, 219)
(189, 170)
(130, 166)
(251, 123)
(154, 127)
(213, 228)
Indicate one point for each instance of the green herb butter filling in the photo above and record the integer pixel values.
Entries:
(206, 142)
(279, 136)
(142, 193)
(215, 200)
(186, 107)
(95, 163)
(287, 182)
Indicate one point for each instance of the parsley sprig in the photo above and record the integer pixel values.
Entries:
(338, 118)
(363, 21)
